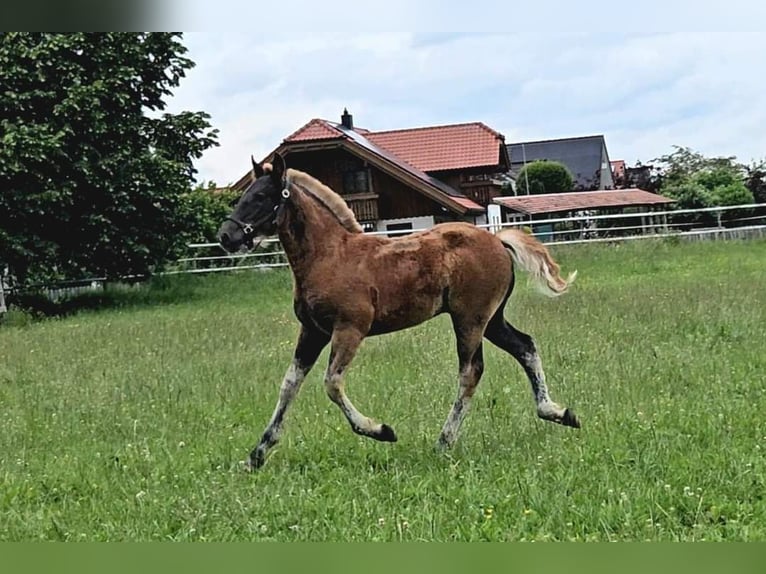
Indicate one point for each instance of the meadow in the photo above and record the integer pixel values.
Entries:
(129, 421)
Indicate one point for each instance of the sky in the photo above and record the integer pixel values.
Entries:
(645, 92)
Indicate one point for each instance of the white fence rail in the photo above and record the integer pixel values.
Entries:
(738, 221)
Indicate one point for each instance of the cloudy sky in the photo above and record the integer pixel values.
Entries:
(644, 91)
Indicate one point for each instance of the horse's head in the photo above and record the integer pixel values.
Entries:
(255, 215)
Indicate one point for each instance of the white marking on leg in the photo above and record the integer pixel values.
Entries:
(546, 408)
(459, 409)
(289, 388)
(360, 423)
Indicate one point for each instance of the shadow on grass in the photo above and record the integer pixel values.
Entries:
(32, 306)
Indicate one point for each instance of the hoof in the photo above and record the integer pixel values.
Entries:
(570, 419)
(386, 434)
(257, 458)
(442, 445)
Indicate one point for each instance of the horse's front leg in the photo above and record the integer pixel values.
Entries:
(345, 342)
(310, 345)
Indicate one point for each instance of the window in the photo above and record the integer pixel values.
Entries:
(398, 227)
(357, 181)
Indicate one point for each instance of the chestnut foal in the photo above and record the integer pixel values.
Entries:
(348, 285)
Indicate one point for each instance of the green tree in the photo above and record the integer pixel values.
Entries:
(710, 187)
(755, 180)
(544, 177)
(211, 205)
(683, 163)
(94, 178)
(697, 181)
(689, 195)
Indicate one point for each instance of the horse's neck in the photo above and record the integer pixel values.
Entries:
(309, 231)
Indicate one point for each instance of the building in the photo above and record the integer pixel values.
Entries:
(586, 158)
(628, 209)
(404, 179)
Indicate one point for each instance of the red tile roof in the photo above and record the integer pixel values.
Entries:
(443, 148)
(428, 149)
(575, 201)
(316, 129)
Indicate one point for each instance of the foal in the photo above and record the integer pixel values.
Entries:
(348, 285)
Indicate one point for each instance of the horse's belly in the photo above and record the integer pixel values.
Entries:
(412, 309)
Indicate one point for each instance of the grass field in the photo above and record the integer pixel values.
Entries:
(129, 422)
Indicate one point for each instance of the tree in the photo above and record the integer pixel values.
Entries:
(689, 195)
(211, 205)
(646, 177)
(697, 181)
(94, 179)
(710, 187)
(755, 180)
(680, 165)
(544, 177)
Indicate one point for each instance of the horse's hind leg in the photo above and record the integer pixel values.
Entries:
(310, 345)
(471, 365)
(522, 348)
(345, 342)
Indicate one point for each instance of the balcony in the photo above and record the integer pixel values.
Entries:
(364, 205)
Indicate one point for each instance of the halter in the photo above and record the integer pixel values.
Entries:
(248, 229)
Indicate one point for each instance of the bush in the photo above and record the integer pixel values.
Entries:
(544, 177)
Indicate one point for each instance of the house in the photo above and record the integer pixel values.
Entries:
(586, 158)
(403, 179)
(618, 173)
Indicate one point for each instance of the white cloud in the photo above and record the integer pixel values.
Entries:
(643, 92)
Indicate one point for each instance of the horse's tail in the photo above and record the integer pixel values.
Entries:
(534, 258)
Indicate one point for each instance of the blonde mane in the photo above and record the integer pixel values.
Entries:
(327, 197)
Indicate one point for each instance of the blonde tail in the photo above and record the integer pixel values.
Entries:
(532, 256)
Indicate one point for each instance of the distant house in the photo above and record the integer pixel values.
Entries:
(586, 158)
(618, 173)
(401, 179)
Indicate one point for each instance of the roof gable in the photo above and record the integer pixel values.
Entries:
(316, 129)
(581, 155)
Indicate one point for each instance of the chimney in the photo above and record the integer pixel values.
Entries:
(347, 119)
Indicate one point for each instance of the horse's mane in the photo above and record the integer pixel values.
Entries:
(327, 197)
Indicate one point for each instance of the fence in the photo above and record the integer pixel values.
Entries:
(739, 221)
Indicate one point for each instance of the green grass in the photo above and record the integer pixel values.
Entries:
(128, 423)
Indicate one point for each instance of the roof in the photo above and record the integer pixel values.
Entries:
(581, 156)
(365, 142)
(577, 200)
(443, 148)
(437, 148)
(316, 129)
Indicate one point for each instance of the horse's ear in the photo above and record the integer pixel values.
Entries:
(257, 168)
(278, 169)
